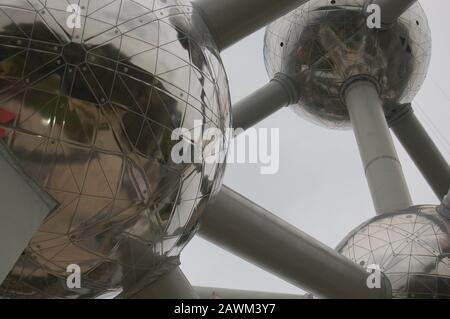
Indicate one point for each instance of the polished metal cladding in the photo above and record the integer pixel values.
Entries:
(325, 43)
(89, 113)
(412, 247)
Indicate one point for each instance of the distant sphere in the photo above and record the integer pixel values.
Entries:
(412, 247)
(89, 115)
(322, 44)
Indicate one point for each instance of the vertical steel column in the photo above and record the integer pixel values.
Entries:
(381, 164)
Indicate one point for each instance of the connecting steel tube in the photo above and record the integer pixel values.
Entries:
(251, 232)
(391, 10)
(381, 164)
(281, 91)
(230, 21)
(422, 150)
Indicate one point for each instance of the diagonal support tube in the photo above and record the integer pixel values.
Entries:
(251, 232)
(281, 91)
(422, 150)
(232, 20)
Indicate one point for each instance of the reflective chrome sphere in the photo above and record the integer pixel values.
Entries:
(324, 44)
(89, 113)
(412, 248)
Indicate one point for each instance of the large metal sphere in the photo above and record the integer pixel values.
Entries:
(324, 43)
(90, 113)
(412, 248)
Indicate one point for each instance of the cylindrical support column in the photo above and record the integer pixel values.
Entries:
(232, 20)
(422, 150)
(279, 92)
(172, 285)
(381, 164)
(222, 293)
(391, 10)
(251, 232)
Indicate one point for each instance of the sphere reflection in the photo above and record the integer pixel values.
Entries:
(92, 113)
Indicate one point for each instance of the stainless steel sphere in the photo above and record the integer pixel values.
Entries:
(89, 111)
(323, 43)
(412, 248)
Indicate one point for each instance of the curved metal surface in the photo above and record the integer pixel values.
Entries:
(324, 44)
(94, 109)
(412, 247)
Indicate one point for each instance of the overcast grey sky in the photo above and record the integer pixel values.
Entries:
(320, 187)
